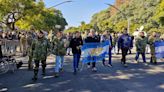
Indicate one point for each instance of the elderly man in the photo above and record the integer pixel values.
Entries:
(92, 38)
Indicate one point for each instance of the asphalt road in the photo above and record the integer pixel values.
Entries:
(135, 78)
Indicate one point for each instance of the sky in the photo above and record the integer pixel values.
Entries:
(79, 10)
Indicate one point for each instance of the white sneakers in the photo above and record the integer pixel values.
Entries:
(94, 69)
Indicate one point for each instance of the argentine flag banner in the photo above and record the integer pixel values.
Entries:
(159, 49)
(93, 52)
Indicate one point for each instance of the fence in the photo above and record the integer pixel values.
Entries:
(10, 47)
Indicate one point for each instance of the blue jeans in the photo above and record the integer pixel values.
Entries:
(59, 63)
(76, 59)
(143, 56)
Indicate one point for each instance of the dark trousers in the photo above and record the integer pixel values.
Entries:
(30, 62)
(124, 53)
(130, 52)
(143, 56)
(76, 60)
(93, 64)
(118, 51)
(36, 68)
(1, 52)
(110, 56)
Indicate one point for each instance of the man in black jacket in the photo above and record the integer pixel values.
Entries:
(92, 38)
(76, 44)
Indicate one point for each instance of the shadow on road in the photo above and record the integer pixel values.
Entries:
(135, 78)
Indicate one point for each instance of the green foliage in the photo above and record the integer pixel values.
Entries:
(149, 13)
(71, 30)
(84, 26)
(28, 13)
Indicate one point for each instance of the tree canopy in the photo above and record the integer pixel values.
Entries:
(27, 14)
(149, 13)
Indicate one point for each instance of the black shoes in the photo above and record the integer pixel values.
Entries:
(35, 79)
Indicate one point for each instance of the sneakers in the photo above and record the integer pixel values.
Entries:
(137, 61)
(34, 79)
(109, 65)
(88, 66)
(125, 65)
(94, 69)
(56, 75)
(78, 69)
(61, 70)
(145, 64)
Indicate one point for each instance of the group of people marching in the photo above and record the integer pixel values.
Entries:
(40, 45)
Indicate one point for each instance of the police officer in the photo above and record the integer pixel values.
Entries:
(39, 53)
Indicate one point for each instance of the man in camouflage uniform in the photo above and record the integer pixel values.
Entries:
(152, 39)
(23, 42)
(39, 53)
(29, 43)
(141, 43)
(59, 45)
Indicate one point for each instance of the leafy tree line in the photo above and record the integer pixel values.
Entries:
(27, 14)
(149, 13)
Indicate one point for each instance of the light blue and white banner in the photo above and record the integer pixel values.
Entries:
(159, 49)
(93, 52)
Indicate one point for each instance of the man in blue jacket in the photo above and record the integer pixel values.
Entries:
(125, 42)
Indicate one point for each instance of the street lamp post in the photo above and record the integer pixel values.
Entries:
(68, 1)
(61, 3)
(124, 15)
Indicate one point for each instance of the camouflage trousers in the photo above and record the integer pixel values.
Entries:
(36, 66)
(153, 58)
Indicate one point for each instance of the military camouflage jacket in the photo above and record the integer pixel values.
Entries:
(141, 44)
(59, 46)
(39, 49)
(151, 42)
